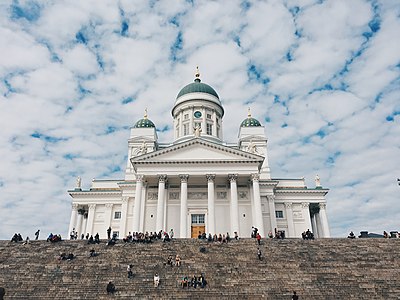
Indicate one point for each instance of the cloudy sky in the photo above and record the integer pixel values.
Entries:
(322, 76)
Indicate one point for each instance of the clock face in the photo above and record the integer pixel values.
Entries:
(197, 114)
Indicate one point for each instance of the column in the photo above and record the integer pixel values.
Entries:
(183, 224)
(234, 204)
(160, 202)
(90, 220)
(214, 118)
(257, 204)
(138, 201)
(84, 224)
(271, 206)
(74, 214)
(108, 215)
(211, 203)
(306, 214)
(79, 224)
(324, 220)
(124, 213)
(289, 219)
(314, 226)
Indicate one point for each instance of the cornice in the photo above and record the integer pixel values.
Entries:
(301, 191)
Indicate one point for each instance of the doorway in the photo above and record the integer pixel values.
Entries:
(198, 225)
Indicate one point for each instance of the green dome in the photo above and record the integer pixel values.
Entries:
(250, 122)
(197, 87)
(144, 123)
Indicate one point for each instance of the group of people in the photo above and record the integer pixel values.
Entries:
(54, 238)
(307, 235)
(149, 237)
(221, 238)
(194, 281)
(170, 261)
(64, 256)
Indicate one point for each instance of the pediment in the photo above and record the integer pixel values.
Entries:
(198, 150)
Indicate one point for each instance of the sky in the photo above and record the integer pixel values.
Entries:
(321, 76)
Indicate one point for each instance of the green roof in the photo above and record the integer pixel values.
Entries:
(197, 87)
(250, 122)
(144, 123)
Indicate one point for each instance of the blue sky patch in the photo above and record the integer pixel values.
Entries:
(30, 11)
(177, 46)
(127, 100)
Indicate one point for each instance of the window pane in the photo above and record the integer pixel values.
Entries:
(201, 219)
(279, 214)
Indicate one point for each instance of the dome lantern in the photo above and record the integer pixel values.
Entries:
(250, 121)
(145, 122)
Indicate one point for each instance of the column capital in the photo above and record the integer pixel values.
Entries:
(75, 206)
(125, 199)
(271, 198)
(139, 177)
(232, 177)
(162, 178)
(109, 205)
(288, 205)
(322, 205)
(184, 177)
(305, 205)
(255, 177)
(92, 206)
(210, 177)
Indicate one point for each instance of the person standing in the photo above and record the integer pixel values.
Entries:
(295, 297)
(37, 234)
(259, 253)
(109, 233)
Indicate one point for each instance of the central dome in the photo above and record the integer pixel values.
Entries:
(197, 87)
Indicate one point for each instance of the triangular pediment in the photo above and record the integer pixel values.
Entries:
(198, 150)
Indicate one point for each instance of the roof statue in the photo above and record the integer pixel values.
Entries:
(197, 131)
(317, 181)
(78, 182)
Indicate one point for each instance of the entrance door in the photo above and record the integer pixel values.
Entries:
(198, 225)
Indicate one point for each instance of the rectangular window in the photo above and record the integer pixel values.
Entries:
(209, 116)
(279, 214)
(117, 215)
(209, 129)
(185, 129)
(186, 117)
(198, 219)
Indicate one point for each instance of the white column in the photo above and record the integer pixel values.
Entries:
(160, 202)
(289, 219)
(124, 213)
(306, 214)
(108, 215)
(90, 220)
(138, 200)
(84, 225)
(271, 206)
(324, 220)
(74, 214)
(214, 118)
(183, 220)
(314, 226)
(79, 224)
(211, 204)
(234, 204)
(257, 204)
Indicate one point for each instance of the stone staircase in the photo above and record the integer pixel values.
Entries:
(320, 269)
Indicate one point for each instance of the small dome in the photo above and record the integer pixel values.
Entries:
(197, 87)
(145, 122)
(249, 121)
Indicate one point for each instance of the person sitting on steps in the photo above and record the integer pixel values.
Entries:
(111, 288)
(156, 280)
(177, 261)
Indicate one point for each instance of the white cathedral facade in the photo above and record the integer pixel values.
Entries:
(199, 182)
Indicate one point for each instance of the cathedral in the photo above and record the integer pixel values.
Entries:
(199, 182)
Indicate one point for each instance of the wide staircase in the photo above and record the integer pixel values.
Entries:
(319, 269)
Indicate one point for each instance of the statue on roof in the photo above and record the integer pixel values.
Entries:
(251, 147)
(197, 131)
(317, 181)
(143, 148)
(78, 182)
